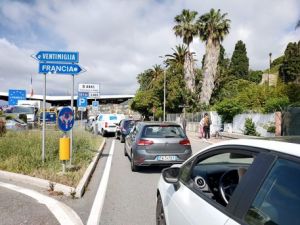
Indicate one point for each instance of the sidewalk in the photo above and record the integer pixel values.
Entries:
(212, 140)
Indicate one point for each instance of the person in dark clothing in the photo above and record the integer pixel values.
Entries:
(206, 126)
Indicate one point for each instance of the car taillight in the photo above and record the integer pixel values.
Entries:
(185, 142)
(106, 125)
(145, 142)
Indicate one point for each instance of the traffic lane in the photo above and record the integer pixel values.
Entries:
(82, 206)
(16, 208)
(130, 196)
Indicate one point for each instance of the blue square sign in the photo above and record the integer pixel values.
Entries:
(95, 104)
(81, 102)
(15, 95)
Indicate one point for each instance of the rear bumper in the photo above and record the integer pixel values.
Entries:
(143, 158)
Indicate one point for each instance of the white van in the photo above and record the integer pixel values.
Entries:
(107, 123)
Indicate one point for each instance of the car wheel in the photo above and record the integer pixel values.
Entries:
(122, 139)
(134, 167)
(125, 152)
(103, 133)
(160, 214)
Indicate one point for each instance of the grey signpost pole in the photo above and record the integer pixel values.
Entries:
(71, 132)
(44, 120)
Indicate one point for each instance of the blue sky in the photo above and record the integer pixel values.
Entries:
(117, 39)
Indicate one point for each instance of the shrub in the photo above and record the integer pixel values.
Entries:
(250, 128)
(227, 109)
(2, 127)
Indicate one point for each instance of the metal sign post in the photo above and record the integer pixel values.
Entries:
(71, 133)
(44, 121)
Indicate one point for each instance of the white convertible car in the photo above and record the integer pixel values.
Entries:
(252, 182)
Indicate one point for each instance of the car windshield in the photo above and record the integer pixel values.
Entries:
(163, 131)
(24, 110)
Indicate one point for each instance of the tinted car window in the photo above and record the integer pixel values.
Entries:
(128, 124)
(156, 131)
(278, 201)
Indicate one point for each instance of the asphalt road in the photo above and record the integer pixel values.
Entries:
(17, 208)
(131, 196)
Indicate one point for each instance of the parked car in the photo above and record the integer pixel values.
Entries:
(123, 128)
(15, 124)
(107, 123)
(151, 143)
(252, 182)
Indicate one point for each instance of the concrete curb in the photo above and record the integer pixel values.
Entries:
(45, 184)
(38, 182)
(88, 173)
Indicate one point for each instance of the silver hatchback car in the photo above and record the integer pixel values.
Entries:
(154, 143)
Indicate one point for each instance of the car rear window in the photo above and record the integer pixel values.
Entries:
(163, 131)
(113, 117)
(128, 124)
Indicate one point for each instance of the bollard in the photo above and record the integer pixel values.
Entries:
(64, 151)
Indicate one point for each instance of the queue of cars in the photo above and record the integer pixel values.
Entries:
(245, 181)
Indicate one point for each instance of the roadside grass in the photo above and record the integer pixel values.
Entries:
(21, 152)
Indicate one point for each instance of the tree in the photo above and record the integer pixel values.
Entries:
(178, 56)
(212, 27)
(186, 29)
(239, 65)
(290, 69)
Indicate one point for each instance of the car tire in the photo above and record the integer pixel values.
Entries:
(160, 214)
(125, 152)
(134, 168)
(122, 139)
(103, 133)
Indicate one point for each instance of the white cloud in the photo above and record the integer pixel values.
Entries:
(118, 39)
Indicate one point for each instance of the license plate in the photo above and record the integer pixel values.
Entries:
(166, 158)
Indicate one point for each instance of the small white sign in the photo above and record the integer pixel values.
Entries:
(89, 88)
(94, 94)
(83, 109)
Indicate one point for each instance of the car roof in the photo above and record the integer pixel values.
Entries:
(158, 123)
(277, 146)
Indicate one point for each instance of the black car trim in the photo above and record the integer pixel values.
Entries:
(253, 180)
(243, 207)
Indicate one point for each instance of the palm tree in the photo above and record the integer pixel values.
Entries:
(186, 28)
(178, 56)
(212, 27)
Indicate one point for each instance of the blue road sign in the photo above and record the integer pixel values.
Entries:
(95, 104)
(81, 102)
(15, 95)
(59, 68)
(65, 119)
(83, 94)
(50, 56)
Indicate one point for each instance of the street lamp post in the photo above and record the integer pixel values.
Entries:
(164, 96)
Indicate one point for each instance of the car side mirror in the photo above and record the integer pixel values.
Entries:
(171, 175)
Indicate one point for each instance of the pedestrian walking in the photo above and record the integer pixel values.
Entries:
(206, 126)
(201, 125)
(183, 123)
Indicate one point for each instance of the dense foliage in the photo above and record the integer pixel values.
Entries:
(290, 68)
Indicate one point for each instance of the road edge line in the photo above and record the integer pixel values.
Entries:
(96, 210)
(63, 213)
(80, 189)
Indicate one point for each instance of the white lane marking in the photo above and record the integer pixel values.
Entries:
(95, 214)
(63, 213)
